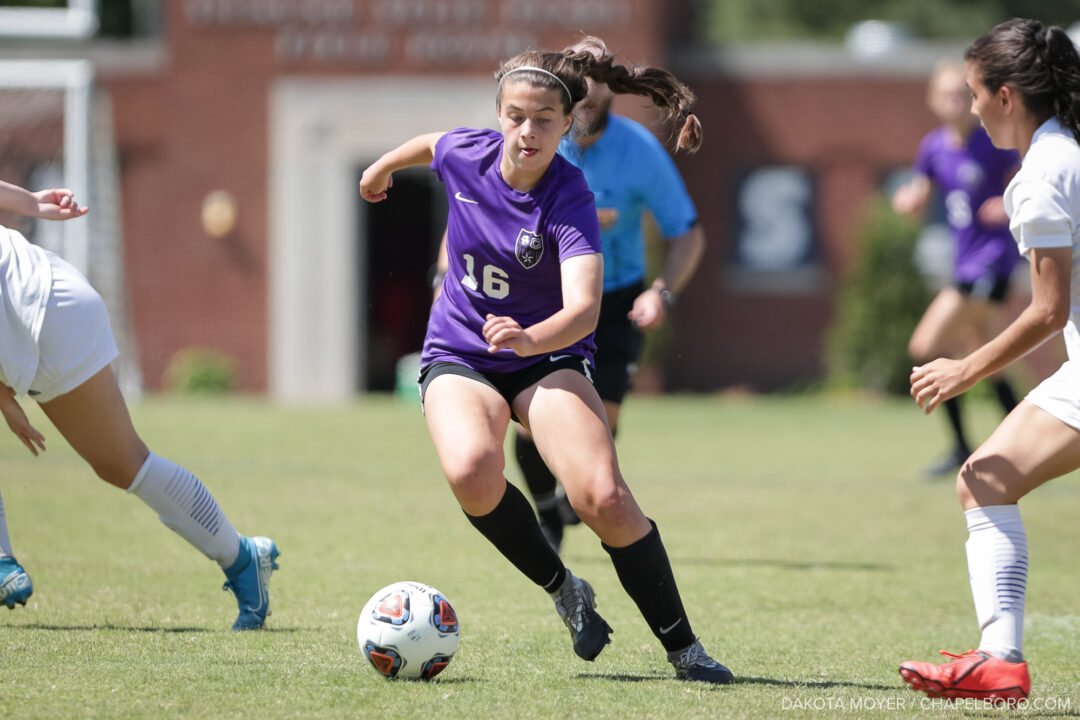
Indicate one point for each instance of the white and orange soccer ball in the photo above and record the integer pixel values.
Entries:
(408, 630)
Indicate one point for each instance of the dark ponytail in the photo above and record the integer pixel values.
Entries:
(1063, 64)
(657, 84)
(572, 67)
(1040, 63)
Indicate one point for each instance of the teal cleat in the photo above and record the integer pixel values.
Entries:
(15, 585)
(249, 579)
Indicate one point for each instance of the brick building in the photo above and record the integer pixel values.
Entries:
(278, 105)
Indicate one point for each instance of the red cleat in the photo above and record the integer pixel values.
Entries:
(974, 674)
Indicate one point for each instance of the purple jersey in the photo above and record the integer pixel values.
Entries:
(505, 248)
(968, 175)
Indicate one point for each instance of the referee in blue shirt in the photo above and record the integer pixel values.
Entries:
(629, 172)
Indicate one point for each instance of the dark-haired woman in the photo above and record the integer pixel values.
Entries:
(510, 337)
(1025, 84)
(629, 172)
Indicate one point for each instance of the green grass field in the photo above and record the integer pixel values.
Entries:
(812, 557)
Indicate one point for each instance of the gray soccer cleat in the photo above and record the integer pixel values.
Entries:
(576, 604)
(694, 664)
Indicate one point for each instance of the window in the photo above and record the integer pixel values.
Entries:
(61, 18)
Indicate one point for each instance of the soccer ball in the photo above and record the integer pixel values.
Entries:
(408, 630)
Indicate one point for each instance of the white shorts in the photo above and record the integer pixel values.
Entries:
(1059, 394)
(76, 340)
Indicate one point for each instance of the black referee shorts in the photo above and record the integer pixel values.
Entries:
(618, 344)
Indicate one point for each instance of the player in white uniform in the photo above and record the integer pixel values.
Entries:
(1025, 84)
(56, 346)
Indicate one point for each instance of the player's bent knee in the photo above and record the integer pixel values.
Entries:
(920, 350)
(612, 507)
(462, 469)
(977, 484)
(963, 487)
(115, 471)
(472, 477)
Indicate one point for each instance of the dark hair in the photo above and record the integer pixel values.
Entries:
(1040, 63)
(573, 67)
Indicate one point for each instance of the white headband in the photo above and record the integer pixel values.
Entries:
(540, 70)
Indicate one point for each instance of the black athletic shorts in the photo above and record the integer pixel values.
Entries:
(992, 288)
(618, 343)
(509, 384)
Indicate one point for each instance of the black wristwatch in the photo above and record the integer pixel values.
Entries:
(667, 297)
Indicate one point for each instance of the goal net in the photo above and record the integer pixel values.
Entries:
(56, 131)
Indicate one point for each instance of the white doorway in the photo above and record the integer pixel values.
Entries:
(321, 132)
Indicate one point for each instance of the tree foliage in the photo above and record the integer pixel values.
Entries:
(878, 306)
(778, 20)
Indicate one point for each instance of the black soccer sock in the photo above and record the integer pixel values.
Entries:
(956, 422)
(512, 528)
(537, 476)
(645, 573)
(1005, 395)
(539, 479)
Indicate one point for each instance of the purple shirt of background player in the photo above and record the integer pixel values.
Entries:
(968, 175)
(959, 158)
(504, 248)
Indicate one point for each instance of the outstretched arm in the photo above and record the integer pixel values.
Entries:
(51, 204)
(377, 178)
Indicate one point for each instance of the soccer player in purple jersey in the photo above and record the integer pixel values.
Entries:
(971, 173)
(1024, 79)
(510, 337)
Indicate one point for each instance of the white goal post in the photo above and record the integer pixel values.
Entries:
(75, 79)
(56, 131)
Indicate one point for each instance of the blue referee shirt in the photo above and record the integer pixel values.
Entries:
(629, 171)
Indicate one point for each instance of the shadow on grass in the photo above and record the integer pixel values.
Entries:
(761, 562)
(622, 677)
(469, 680)
(816, 684)
(802, 685)
(125, 628)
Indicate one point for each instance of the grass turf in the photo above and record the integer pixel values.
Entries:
(812, 557)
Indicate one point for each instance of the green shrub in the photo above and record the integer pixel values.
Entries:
(200, 370)
(878, 306)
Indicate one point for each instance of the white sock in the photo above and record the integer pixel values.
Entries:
(5, 541)
(187, 507)
(997, 569)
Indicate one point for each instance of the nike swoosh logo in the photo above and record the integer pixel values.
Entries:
(462, 198)
(669, 628)
(553, 358)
